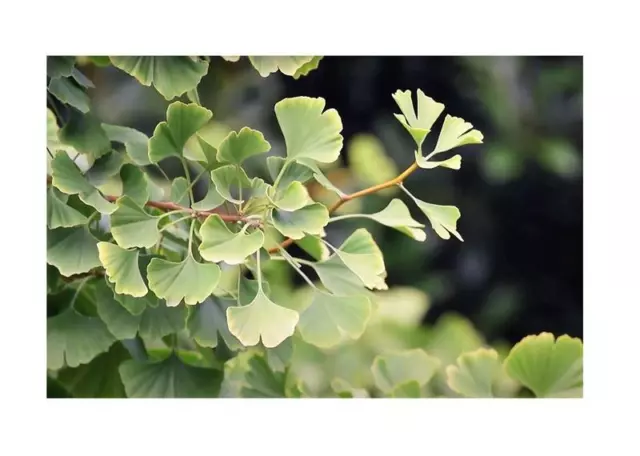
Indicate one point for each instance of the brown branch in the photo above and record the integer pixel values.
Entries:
(367, 191)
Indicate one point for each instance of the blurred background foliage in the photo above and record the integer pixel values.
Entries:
(519, 270)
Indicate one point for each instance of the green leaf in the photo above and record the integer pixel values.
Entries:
(454, 162)
(179, 192)
(98, 379)
(207, 323)
(99, 60)
(294, 171)
(310, 219)
(237, 147)
(219, 243)
(95, 199)
(74, 339)
(66, 176)
(314, 247)
(279, 358)
(261, 319)
(307, 67)
(204, 153)
(548, 367)
(455, 133)
(212, 200)
(369, 162)
(122, 269)
(231, 58)
(85, 134)
(169, 378)
(72, 250)
(291, 198)
(443, 219)
(189, 280)
(228, 180)
(418, 125)
(136, 143)
(59, 214)
(68, 93)
(262, 381)
(171, 76)
(397, 368)
(158, 322)
(474, 373)
(319, 176)
(133, 305)
(170, 136)
(104, 168)
(119, 321)
(396, 215)
(338, 278)
(309, 132)
(289, 65)
(81, 79)
(361, 254)
(330, 319)
(409, 390)
(135, 184)
(131, 226)
(345, 390)
(60, 66)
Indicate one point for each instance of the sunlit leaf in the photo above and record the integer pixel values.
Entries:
(133, 305)
(228, 181)
(237, 147)
(122, 269)
(262, 319)
(293, 172)
(207, 323)
(330, 318)
(288, 65)
(170, 136)
(131, 226)
(454, 162)
(171, 76)
(189, 280)
(417, 124)
(67, 177)
(219, 243)
(319, 176)
(136, 143)
(169, 378)
(72, 250)
(74, 339)
(59, 214)
(455, 133)
(338, 278)
(311, 219)
(548, 367)
(474, 373)
(361, 254)
(393, 369)
(290, 198)
(307, 67)
(308, 131)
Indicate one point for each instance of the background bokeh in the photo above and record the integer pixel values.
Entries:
(519, 270)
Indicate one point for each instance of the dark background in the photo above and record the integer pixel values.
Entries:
(519, 270)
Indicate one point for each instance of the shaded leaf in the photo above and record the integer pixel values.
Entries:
(85, 134)
(131, 226)
(219, 243)
(60, 66)
(68, 93)
(211, 200)
(393, 369)
(228, 180)
(72, 250)
(237, 147)
(104, 167)
(474, 373)
(136, 143)
(294, 171)
(314, 247)
(59, 214)
(310, 219)
(279, 357)
(179, 192)
(345, 390)
(207, 323)
(135, 184)
(122, 269)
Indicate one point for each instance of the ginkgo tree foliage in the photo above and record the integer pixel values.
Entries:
(152, 293)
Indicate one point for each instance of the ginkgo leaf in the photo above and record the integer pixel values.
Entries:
(314, 246)
(169, 378)
(474, 373)
(338, 278)
(104, 168)
(288, 65)
(82, 79)
(443, 219)
(84, 132)
(131, 226)
(219, 243)
(345, 390)
(393, 369)
(74, 339)
(136, 143)
(134, 184)
(293, 172)
(133, 305)
(171, 76)
(330, 318)
(237, 147)
(261, 381)
(59, 214)
(95, 199)
(307, 67)
(290, 198)
(417, 124)
(396, 215)
(170, 136)
(279, 358)
(211, 200)
(122, 269)
(361, 254)
(454, 162)
(262, 319)
(189, 280)
(60, 66)
(203, 152)
(72, 250)
(319, 176)
(207, 324)
(228, 180)
(180, 192)
(370, 163)
(549, 367)
(310, 219)
(410, 389)
(69, 93)
(455, 133)
(308, 131)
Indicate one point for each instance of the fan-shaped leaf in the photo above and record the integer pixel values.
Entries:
(293, 172)
(171, 76)
(122, 269)
(310, 219)
(104, 167)
(455, 133)
(474, 373)
(362, 255)
(85, 134)
(207, 323)
(454, 162)
(237, 147)
(338, 278)
(287, 65)
(211, 200)
(548, 367)
(169, 378)
(418, 125)
(170, 136)
(74, 339)
(410, 389)
(60, 66)
(59, 214)
(329, 319)
(188, 280)
(68, 93)
(314, 247)
(180, 192)
(131, 226)
(291, 198)
(307, 67)
(136, 143)
(397, 368)
(134, 184)
(308, 131)
(228, 180)
(72, 250)
(219, 243)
